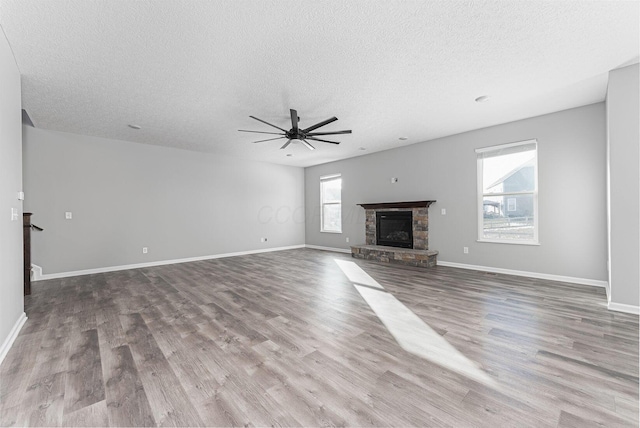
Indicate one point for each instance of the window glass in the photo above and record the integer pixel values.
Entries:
(331, 203)
(508, 193)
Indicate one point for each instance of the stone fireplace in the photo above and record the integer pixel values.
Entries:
(389, 238)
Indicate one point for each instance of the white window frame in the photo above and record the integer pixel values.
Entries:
(481, 194)
(324, 179)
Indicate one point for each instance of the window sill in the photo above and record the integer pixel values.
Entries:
(497, 241)
(330, 231)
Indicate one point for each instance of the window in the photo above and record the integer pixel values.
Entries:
(331, 203)
(508, 193)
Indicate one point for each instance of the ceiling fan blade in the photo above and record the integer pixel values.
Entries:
(285, 144)
(309, 146)
(267, 123)
(270, 139)
(294, 120)
(324, 141)
(318, 125)
(261, 132)
(329, 133)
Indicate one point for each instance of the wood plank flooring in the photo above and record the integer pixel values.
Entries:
(285, 339)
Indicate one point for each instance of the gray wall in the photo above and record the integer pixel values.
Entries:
(11, 289)
(124, 196)
(572, 194)
(623, 139)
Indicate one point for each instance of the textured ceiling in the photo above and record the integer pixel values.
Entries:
(191, 72)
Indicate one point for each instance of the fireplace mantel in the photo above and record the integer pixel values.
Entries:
(384, 205)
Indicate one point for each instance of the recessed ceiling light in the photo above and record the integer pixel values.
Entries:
(362, 148)
(482, 99)
(134, 126)
(403, 138)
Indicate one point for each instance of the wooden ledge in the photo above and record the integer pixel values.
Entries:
(409, 204)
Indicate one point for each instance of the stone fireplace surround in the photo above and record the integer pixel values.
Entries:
(419, 255)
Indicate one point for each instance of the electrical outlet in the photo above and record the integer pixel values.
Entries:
(68, 215)
(465, 250)
(263, 239)
(14, 214)
(347, 239)
(145, 250)
(443, 211)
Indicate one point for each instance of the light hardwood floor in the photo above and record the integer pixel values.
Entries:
(285, 338)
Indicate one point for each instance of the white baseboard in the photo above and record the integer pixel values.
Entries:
(337, 250)
(621, 307)
(158, 263)
(36, 272)
(571, 279)
(8, 342)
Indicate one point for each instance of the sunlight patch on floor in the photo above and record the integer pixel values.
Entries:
(410, 331)
(356, 275)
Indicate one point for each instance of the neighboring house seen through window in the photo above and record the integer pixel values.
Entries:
(331, 203)
(508, 193)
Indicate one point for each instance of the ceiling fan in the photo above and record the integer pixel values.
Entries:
(297, 134)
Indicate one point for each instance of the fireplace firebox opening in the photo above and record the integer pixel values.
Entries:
(394, 228)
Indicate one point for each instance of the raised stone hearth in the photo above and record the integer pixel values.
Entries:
(419, 255)
(404, 256)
